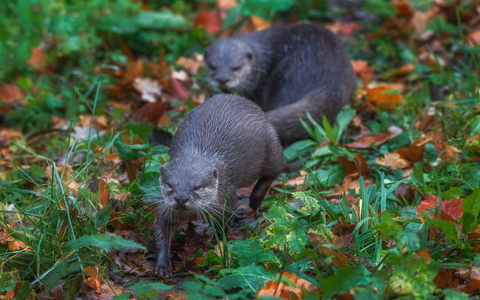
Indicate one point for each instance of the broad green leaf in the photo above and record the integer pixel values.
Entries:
(345, 280)
(160, 19)
(450, 229)
(343, 119)
(250, 277)
(387, 228)
(105, 242)
(471, 208)
(453, 193)
(250, 252)
(328, 130)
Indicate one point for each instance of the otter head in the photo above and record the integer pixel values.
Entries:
(188, 185)
(231, 65)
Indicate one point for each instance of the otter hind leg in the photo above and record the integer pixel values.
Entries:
(259, 191)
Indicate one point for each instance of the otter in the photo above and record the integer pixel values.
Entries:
(223, 144)
(287, 70)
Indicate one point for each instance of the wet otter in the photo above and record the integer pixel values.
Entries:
(223, 144)
(287, 70)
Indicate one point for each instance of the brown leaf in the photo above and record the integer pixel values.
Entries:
(365, 143)
(355, 168)
(192, 65)
(211, 20)
(444, 279)
(9, 295)
(392, 161)
(472, 286)
(149, 112)
(415, 152)
(177, 90)
(18, 245)
(10, 93)
(383, 96)
(134, 70)
(6, 134)
(473, 38)
(149, 89)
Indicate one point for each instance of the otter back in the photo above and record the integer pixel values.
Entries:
(287, 70)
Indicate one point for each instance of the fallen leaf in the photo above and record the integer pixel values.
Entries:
(18, 245)
(408, 68)
(366, 142)
(149, 89)
(473, 38)
(133, 70)
(149, 112)
(192, 65)
(452, 208)
(10, 93)
(37, 57)
(7, 134)
(177, 90)
(444, 279)
(357, 167)
(275, 289)
(211, 20)
(425, 254)
(392, 161)
(259, 23)
(384, 96)
(415, 152)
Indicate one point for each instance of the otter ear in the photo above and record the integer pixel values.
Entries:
(249, 55)
(163, 172)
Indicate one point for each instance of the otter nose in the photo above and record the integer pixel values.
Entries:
(222, 80)
(180, 199)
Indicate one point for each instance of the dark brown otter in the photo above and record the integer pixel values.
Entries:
(223, 144)
(287, 70)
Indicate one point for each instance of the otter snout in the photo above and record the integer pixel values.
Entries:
(180, 199)
(222, 81)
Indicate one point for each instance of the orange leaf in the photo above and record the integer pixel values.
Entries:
(285, 292)
(259, 23)
(10, 93)
(37, 56)
(425, 254)
(382, 96)
(18, 245)
(210, 20)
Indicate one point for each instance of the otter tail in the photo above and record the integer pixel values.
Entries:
(286, 119)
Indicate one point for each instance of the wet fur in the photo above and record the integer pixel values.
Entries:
(228, 135)
(294, 68)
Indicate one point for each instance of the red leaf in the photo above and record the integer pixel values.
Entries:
(452, 208)
(177, 90)
(210, 20)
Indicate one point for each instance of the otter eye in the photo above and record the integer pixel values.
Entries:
(249, 56)
(236, 68)
(168, 186)
(197, 188)
(212, 68)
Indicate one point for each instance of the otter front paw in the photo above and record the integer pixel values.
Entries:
(164, 269)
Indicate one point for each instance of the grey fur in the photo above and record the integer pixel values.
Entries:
(287, 70)
(223, 144)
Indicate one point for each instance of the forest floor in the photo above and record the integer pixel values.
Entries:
(385, 204)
